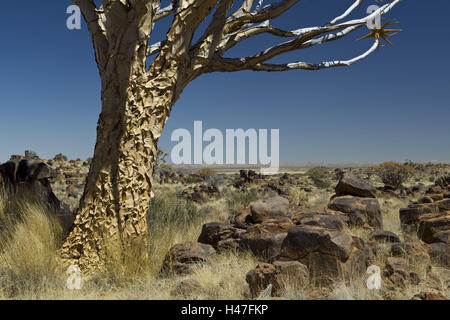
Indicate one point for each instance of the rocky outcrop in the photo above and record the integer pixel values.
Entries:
(360, 211)
(355, 198)
(182, 257)
(263, 239)
(430, 217)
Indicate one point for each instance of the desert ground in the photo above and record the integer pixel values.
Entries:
(310, 232)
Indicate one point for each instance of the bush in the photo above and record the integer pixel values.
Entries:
(215, 181)
(319, 176)
(239, 201)
(394, 174)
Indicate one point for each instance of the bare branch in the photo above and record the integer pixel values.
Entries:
(166, 11)
(347, 12)
(311, 66)
(266, 13)
(96, 29)
(304, 39)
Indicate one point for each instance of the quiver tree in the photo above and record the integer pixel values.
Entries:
(137, 99)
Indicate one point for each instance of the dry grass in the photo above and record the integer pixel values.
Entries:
(30, 237)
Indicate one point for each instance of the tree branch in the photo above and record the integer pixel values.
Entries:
(305, 39)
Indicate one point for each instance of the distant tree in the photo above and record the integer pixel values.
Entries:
(394, 174)
(320, 177)
(137, 100)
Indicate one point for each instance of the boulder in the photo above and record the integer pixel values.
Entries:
(352, 185)
(410, 217)
(397, 265)
(385, 236)
(269, 208)
(265, 239)
(435, 230)
(280, 274)
(440, 252)
(215, 233)
(366, 208)
(326, 220)
(397, 274)
(328, 254)
(266, 245)
(31, 177)
(182, 257)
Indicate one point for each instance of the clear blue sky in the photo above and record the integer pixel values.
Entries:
(395, 105)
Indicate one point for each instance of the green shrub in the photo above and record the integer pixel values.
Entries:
(239, 201)
(319, 176)
(394, 174)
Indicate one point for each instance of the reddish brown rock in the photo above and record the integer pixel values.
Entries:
(385, 236)
(326, 220)
(269, 208)
(215, 233)
(367, 208)
(280, 274)
(182, 257)
(328, 254)
(435, 230)
(352, 185)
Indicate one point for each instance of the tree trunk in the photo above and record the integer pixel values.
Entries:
(118, 189)
(136, 104)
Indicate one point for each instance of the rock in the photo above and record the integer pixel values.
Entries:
(31, 177)
(397, 274)
(326, 220)
(408, 248)
(242, 220)
(426, 199)
(435, 230)
(368, 208)
(266, 245)
(440, 252)
(265, 239)
(443, 205)
(182, 257)
(429, 296)
(409, 217)
(269, 208)
(397, 265)
(280, 274)
(302, 240)
(328, 254)
(385, 236)
(215, 233)
(352, 185)
(437, 197)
